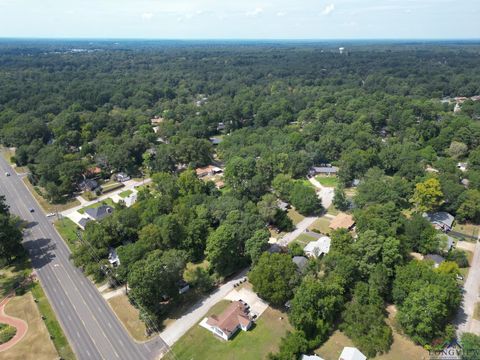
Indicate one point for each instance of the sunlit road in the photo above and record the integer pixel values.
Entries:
(90, 325)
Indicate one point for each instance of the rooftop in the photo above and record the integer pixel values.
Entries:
(99, 213)
(342, 221)
(234, 315)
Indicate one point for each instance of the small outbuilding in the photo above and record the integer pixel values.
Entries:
(437, 259)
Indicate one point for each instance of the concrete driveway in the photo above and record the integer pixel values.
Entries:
(177, 329)
(257, 305)
(323, 192)
(301, 227)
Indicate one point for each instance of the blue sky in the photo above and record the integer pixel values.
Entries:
(244, 19)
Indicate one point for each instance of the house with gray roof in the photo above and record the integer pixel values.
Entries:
(301, 262)
(99, 213)
(441, 220)
(323, 170)
(83, 222)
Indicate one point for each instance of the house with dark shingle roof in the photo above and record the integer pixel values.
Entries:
(83, 222)
(99, 213)
(441, 220)
(301, 262)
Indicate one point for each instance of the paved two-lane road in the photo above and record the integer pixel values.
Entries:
(91, 327)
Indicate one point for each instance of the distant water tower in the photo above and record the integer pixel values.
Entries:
(341, 50)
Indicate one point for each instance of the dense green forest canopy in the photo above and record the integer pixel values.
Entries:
(383, 113)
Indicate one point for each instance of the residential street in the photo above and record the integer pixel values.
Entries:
(464, 320)
(90, 325)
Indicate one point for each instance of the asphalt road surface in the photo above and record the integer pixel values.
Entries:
(93, 330)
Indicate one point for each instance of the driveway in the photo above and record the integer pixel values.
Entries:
(257, 305)
(464, 320)
(301, 227)
(323, 192)
(176, 330)
(129, 185)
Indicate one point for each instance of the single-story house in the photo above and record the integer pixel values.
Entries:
(113, 257)
(156, 120)
(183, 287)
(88, 185)
(282, 205)
(351, 353)
(209, 170)
(301, 262)
(122, 177)
(342, 221)
(236, 316)
(318, 247)
(323, 170)
(99, 213)
(440, 220)
(83, 222)
(311, 357)
(437, 259)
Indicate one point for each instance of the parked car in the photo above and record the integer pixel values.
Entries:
(7, 173)
(50, 214)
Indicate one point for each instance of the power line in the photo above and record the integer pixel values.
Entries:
(107, 271)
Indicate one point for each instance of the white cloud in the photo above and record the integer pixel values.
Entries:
(255, 12)
(328, 9)
(147, 16)
(281, 13)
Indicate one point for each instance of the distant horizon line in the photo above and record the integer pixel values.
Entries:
(470, 39)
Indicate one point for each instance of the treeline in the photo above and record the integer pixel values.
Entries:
(66, 111)
(10, 235)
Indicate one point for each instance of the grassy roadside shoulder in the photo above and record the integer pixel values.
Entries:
(53, 326)
(68, 231)
(46, 206)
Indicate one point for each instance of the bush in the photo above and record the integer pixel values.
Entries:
(7, 332)
(295, 249)
(459, 257)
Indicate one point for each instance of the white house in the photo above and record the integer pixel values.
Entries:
(351, 353)
(318, 247)
(236, 316)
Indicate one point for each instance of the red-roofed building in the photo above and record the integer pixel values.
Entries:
(236, 316)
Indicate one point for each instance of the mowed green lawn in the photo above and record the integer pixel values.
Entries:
(200, 344)
(328, 181)
(321, 225)
(68, 231)
(106, 201)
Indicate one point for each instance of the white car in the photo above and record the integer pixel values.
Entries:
(7, 174)
(50, 214)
